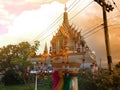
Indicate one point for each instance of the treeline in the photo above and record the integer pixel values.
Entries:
(13, 61)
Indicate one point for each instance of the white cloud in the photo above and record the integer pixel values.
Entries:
(46, 1)
(31, 23)
(28, 24)
(36, 20)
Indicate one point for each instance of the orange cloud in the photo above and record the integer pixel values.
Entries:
(27, 16)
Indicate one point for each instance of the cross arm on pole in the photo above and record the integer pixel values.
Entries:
(103, 3)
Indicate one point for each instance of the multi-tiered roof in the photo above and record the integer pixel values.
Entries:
(69, 46)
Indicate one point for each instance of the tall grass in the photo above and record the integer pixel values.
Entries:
(22, 87)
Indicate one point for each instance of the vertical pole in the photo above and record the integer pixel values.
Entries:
(36, 82)
(109, 58)
(36, 77)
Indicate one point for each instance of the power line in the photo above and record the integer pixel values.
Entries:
(85, 33)
(53, 24)
(93, 33)
(98, 26)
(82, 35)
(99, 30)
(76, 5)
(88, 31)
(57, 20)
(49, 27)
(92, 30)
(115, 5)
(48, 35)
(81, 10)
(72, 5)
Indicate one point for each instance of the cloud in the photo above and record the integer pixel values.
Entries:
(18, 6)
(25, 19)
(10, 9)
(47, 1)
(30, 23)
(91, 17)
(34, 20)
(3, 29)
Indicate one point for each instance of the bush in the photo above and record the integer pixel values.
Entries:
(12, 78)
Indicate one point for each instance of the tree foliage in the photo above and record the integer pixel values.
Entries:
(106, 81)
(13, 61)
(12, 78)
(103, 81)
(12, 55)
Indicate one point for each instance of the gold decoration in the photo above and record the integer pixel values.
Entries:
(61, 53)
(32, 54)
(42, 59)
(45, 55)
(65, 58)
(71, 65)
(57, 58)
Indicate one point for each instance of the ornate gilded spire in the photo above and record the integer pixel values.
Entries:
(65, 8)
(65, 18)
(45, 49)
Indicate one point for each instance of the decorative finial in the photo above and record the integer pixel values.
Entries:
(45, 49)
(65, 8)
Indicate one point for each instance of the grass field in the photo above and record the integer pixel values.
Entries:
(22, 87)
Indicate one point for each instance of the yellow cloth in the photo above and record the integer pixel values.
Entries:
(61, 81)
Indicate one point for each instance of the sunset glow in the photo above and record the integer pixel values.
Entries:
(24, 20)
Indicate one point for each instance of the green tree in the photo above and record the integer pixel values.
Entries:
(116, 77)
(105, 81)
(12, 55)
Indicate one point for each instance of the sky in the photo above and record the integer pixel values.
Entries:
(29, 20)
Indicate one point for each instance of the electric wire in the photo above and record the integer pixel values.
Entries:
(92, 30)
(93, 33)
(53, 24)
(84, 8)
(97, 26)
(99, 30)
(85, 33)
(115, 5)
(73, 5)
(81, 10)
(90, 34)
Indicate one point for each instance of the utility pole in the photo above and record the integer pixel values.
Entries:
(108, 8)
